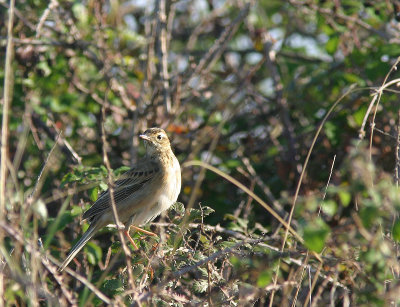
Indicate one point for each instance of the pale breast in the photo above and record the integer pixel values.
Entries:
(172, 187)
(165, 196)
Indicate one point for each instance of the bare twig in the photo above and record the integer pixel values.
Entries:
(255, 197)
(39, 181)
(270, 197)
(397, 167)
(303, 267)
(379, 95)
(376, 96)
(219, 46)
(162, 52)
(120, 227)
(314, 282)
(18, 14)
(327, 185)
(270, 56)
(318, 295)
(302, 176)
(52, 269)
(330, 12)
(8, 88)
(215, 256)
(209, 18)
(308, 158)
(55, 135)
(52, 5)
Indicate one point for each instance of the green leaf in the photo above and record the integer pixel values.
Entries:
(226, 244)
(353, 78)
(207, 210)
(179, 208)
(329, 207)
(396, 231)
(93, 193)
(369, 215)
(39, 207)
(232, 163)
(115, 247)
(315, 234)
(196, 214)
(113, 286)
(76, 211)
(359, 114)
(119, 171)
(93, 252)
(103, 186)
(234, 227)
(332, 44)
(44, 66)
(345, 198)
(68, 178)
(264, 279)
(80, 12)
(200, 286)
(332, 132)
(242, 223)
(235, 261)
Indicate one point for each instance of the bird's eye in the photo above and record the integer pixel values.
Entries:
(159, 137)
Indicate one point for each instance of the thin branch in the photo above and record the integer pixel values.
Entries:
(112, 200)
(214, 256)
(272, 65)
(255, 197)
(219, 46)
(39, 180)
(52, 5)
(55, 135)
(350, 90)
(217, 255)
(397, 168)
(303, 266)
(329, 12)
(45, 261)
(378, 93)
(314, 282)
(8, 89)
(162, 52)
(327, 185)
(18, 14)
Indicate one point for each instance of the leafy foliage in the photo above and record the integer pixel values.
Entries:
(240, 85)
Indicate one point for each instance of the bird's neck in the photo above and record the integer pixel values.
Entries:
(164, 156)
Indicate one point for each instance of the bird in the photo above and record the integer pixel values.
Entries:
(150, 187)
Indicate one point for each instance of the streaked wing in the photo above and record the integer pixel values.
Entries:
(126, 185)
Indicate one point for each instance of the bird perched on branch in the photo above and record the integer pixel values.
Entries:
(140, 194)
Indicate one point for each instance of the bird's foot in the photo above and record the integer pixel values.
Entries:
(144, 231)
(126, 232)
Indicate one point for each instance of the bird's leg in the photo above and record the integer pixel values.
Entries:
(144, 231)
(126, 232)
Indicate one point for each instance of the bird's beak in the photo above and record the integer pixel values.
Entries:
(144, 137)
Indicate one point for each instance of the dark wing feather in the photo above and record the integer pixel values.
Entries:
(127, 184)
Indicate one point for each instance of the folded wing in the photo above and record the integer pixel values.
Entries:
(125, 187)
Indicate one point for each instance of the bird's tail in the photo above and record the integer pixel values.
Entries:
(78, 246)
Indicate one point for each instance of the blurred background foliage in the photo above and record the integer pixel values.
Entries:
(241, 85)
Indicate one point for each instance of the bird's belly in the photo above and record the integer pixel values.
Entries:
(152, 205)
(152, 208)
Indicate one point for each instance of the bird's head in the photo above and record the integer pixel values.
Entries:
(155, 140)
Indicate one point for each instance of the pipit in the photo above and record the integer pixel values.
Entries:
(140, 194)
